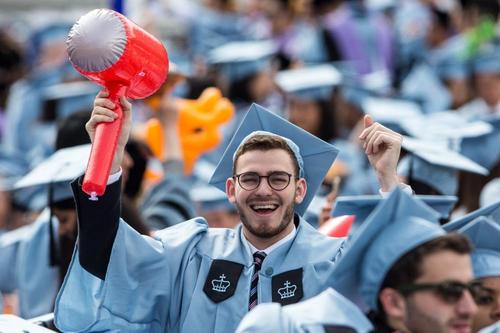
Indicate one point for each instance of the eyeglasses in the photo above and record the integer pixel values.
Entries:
(486, 296)
(277, 180)
(449, 291)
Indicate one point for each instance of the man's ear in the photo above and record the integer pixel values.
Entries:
(300, 191)
(231, 190)
(394, 304)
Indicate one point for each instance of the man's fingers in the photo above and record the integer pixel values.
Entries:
(101, 111)
(126, 105)
(95, 119)
(104, 102)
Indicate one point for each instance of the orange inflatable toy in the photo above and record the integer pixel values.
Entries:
(199, 122)
(337, 226)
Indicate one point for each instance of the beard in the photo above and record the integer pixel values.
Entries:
(420, 321)
(262, 230)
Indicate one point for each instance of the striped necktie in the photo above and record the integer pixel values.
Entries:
(258, 258)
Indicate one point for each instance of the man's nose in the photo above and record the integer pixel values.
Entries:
(263, 187)
(466, 305)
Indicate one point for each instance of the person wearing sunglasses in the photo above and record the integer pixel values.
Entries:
(406, 272)
(191, 278)
(484, 233)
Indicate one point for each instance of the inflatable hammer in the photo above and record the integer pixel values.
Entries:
(107, 48)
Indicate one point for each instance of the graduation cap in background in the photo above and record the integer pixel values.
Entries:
(316, 154)
(56, 172)
(444, 125)
(434, 166)
(483, 149)
(63, 99)
(394, 113)
(363, 205)
(397, 225)
(492, 211)
(239, 60)
(484, 234)
(309, 83)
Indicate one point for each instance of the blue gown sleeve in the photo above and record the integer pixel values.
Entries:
(140, 289)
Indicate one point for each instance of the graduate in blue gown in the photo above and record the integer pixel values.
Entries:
(189, 278)
(398, 267)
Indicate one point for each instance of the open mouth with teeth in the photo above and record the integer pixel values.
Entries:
(264, 209)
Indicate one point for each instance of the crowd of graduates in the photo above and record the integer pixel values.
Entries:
(409, 85)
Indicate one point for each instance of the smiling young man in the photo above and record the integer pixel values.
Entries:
(189, 278)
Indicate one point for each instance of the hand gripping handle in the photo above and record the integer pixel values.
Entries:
(104, 147)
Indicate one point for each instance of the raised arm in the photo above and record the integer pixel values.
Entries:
(382, 147)
(98, 220)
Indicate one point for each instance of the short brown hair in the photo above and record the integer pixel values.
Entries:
(408, 268)
(265, 142)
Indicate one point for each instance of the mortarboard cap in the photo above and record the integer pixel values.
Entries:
(435, 165)
(484, 234)
(58, 170)
(242, 59)
(444, 125)
(398, 224)
(315, 82)
(316, 154)
(331, 309)
(492, 211)
(483, 149)
(392, 111)
(363, 205)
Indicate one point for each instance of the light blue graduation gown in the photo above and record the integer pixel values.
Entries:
(495, 328)
(310, 316)
(24, 266)
(157, 284)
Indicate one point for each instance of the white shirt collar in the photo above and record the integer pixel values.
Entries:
(282, 241)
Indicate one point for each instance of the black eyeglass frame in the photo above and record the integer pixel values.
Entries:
(442, 288)
(289, 175)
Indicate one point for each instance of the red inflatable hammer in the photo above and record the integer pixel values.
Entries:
(109, 49)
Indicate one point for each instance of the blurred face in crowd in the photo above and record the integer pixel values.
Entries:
(433, 310)
(488, 303)
(266, 213)
(67, 221)
(262, 86)
(488, 88)
(305, 114)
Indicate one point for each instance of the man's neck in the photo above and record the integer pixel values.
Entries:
(263, 243)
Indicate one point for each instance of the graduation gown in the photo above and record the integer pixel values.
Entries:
(188, 278)
(25, 267)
